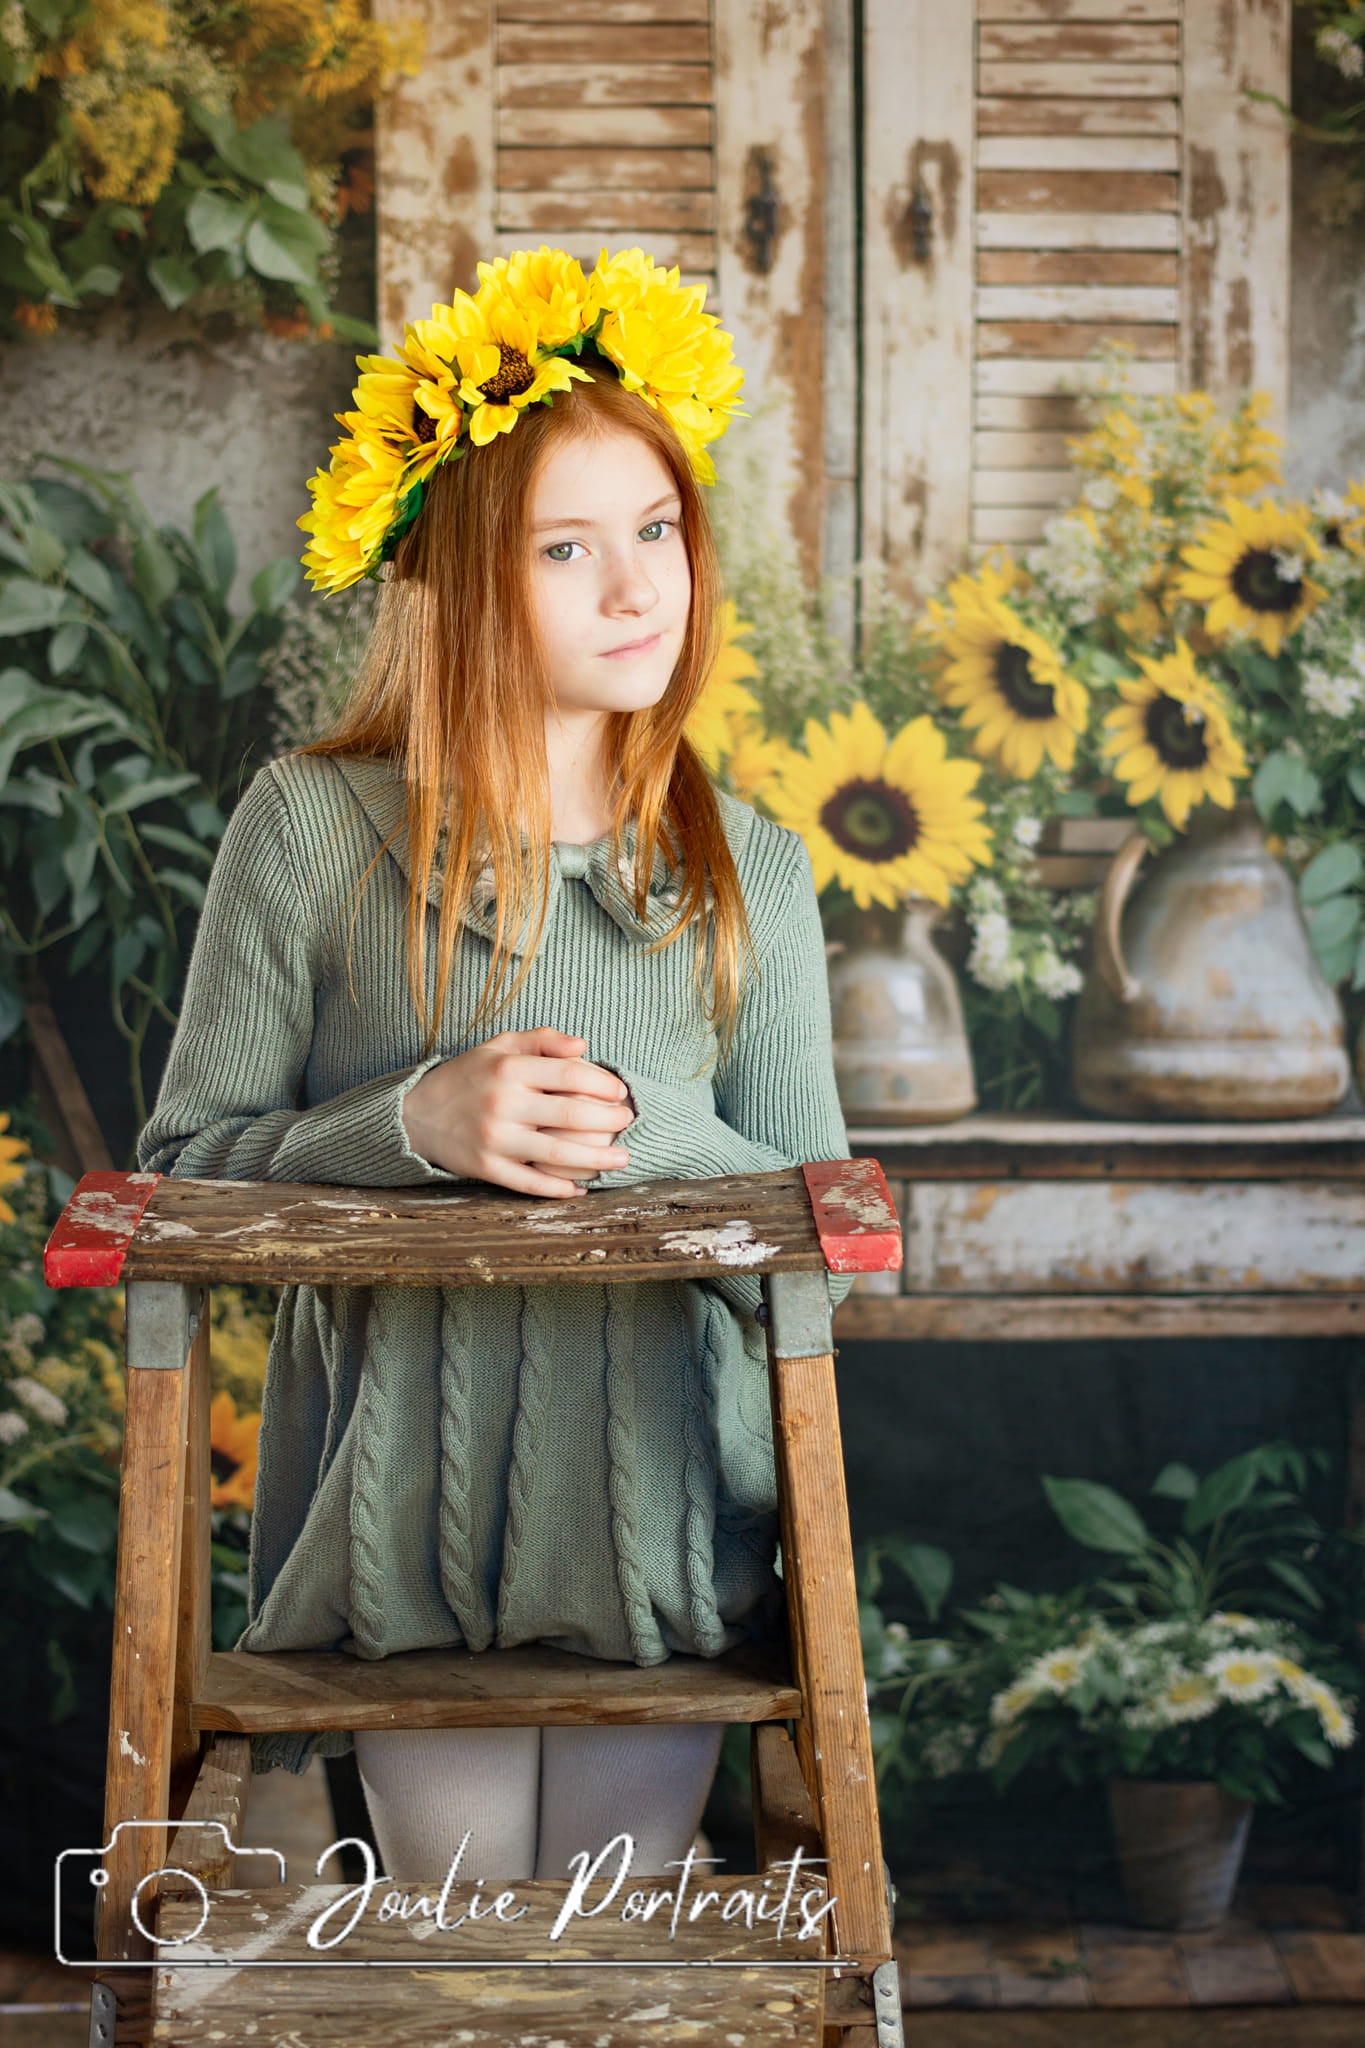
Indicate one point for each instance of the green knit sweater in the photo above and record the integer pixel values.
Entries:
(585, 1465)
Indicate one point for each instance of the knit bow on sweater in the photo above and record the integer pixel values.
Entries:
(380, 789)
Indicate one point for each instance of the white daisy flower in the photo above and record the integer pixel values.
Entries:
(1007, 1706)
(1056, 1670)
(1242, 1674)
(46, 1405)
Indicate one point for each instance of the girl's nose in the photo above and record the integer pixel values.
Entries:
(631, 588)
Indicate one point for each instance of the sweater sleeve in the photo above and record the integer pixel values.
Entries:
(773, 1102)
(227, 1105)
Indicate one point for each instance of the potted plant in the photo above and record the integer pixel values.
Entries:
(1191, 1723)
(1148, 1680)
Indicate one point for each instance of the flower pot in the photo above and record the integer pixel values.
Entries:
(1180, 1848)
(1204, 999)
(900, 1046)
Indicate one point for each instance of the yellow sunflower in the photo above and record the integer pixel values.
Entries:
(1010, 686)
(885, 819)
(11, 1151)
(1171, 737)
(1341, 518)
(1251, 571)
(754, 760)
(232, 1453)
(724, 702)
(354, 504)
(676, 356)
(504, 364)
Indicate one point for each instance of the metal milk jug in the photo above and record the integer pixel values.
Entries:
(1204, 999)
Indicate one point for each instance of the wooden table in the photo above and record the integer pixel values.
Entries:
(1023, 1227)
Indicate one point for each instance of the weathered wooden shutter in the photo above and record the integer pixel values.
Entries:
(1040, 175)
(693, 127)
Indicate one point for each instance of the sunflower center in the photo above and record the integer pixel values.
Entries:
(1262, 585)
(514, 375)
(1176, 730)
(423, 425)
(1019, 686)
(222, 1464)
(872, 820)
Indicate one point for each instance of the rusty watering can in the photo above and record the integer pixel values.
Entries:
(1204, 999)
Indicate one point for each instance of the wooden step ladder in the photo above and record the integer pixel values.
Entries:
(182, 1955)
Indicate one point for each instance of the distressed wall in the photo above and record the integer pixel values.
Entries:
(254, 415)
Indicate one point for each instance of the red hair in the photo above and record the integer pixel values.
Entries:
(453, 686)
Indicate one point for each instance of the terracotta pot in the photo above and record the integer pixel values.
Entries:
(1180, 1848)
(1204, 999)
(900, 1046)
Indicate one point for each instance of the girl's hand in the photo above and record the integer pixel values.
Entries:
(516, 1107)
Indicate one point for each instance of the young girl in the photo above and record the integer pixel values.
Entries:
(583, 1465)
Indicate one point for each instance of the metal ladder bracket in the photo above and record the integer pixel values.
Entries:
(162, 1320)
(798, 1318)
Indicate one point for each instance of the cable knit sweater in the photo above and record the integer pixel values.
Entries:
(589, 1466)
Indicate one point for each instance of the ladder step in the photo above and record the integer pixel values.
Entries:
(311, 1690)
(608, 1980)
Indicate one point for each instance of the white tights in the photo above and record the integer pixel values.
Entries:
(534, 1797)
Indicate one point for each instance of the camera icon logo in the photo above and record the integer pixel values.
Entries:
(186, 1881)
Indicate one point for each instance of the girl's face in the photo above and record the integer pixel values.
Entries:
(610, 576)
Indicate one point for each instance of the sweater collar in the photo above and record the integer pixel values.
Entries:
(378, 785)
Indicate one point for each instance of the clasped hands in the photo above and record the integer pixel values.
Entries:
(524, 1110)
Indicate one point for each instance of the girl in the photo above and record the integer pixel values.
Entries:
(588, 1466)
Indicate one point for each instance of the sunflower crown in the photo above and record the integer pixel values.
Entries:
(467, 374)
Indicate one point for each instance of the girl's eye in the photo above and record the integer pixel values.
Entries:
(656, 529)
(556, 553)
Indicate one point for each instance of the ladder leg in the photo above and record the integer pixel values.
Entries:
(834, 1739)
(161, 1320)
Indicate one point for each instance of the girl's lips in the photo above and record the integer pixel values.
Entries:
(632, 647)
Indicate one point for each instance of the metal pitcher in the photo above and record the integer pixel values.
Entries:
(900, 1046)
(1204, 999)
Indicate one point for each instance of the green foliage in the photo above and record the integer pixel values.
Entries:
(1124, 1674)
(131, 702)
(61, 1440)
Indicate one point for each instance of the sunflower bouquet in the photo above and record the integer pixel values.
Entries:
(1214, 628)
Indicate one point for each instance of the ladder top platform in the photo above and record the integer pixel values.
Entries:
(835, 1216)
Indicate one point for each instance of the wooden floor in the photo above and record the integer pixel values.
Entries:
(1286, 1971)
(1287, 1945)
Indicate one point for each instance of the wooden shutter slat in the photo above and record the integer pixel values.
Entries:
(695, 255)
(599, 170)
(1023, 486)
(605, 13)
(1045, 412)
(993, 449)
(1079, 42)
(1078, 153)
(1031, 376)
(617, 212)
(1069, 81)
(581, 43)
(1154, 231)
(1011, 525)
(1077, 266)
(1071, 337)
(1037, 116)
(1077, 302)
(1078, 10)
(1076, 192)
(604, 85)
(626, 127)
